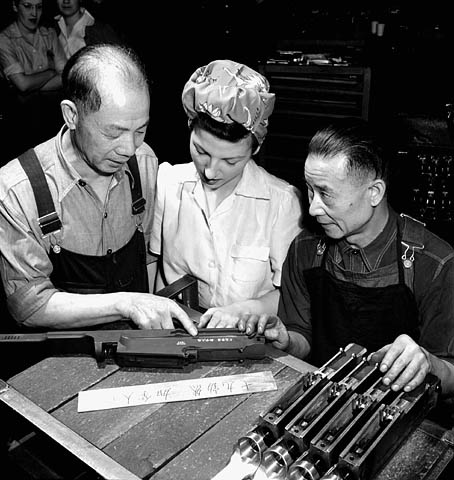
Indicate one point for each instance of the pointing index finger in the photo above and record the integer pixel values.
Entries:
(183, 317)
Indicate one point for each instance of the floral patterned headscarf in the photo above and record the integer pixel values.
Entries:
(230, 92)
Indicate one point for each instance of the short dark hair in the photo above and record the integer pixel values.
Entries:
(84, 70)
(360, 141)
(232, 132)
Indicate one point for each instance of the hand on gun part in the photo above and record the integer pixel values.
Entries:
(270, 326)
(151, 311)
(404, 363)
(221, 317)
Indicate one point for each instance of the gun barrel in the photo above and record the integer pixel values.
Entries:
(40, 337)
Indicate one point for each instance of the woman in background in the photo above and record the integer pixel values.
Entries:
(31, 63)
(76, 27)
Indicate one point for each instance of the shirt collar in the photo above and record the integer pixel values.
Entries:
(14, 31)
(87, 17)
(377, 247)
(251, 183)
(66, 175)
(85, 20)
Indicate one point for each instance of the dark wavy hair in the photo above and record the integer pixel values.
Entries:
(360, 141)
(232, 132)
(85, 69)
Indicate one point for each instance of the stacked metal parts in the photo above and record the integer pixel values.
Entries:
(338, 423)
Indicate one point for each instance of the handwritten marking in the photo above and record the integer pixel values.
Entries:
(196, 390)
(105, 398)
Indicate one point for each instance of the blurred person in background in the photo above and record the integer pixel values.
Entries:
(31, 62)
(76, 27)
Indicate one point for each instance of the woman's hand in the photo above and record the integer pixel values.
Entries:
(221, 317)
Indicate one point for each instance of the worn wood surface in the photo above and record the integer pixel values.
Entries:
(190, 439)
(209, 453)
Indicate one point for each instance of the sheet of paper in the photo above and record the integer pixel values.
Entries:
(182, 390)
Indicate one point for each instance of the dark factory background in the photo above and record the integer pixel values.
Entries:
(401, 78)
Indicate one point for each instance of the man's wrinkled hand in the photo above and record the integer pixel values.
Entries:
(270, 326)
(404, 363)
(149, 311)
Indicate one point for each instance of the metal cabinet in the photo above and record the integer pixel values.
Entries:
(423, 186)
(308, 97)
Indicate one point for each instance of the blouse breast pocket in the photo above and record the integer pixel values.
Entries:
(250, 263)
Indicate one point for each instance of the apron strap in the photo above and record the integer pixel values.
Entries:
(138, 202)
(412, 239)
(48, 219)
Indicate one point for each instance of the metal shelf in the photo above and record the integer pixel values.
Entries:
(308, 97)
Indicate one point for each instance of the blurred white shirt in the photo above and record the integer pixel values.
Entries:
(76, 39)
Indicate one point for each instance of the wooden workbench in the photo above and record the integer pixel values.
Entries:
(175, 441)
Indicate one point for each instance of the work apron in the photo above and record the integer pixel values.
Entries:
(344, 313)
(122, 270)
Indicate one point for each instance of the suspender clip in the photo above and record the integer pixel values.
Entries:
(49, 223)
(408, 262)
(321, 247)
(138, 206)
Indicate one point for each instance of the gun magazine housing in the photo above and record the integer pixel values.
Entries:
(340, 422)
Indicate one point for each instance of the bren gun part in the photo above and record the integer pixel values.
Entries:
(350, 441)
(150, 348)
(303, 391)
(280, 456)
(247, 453)
(378, 439)
(335, 435)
